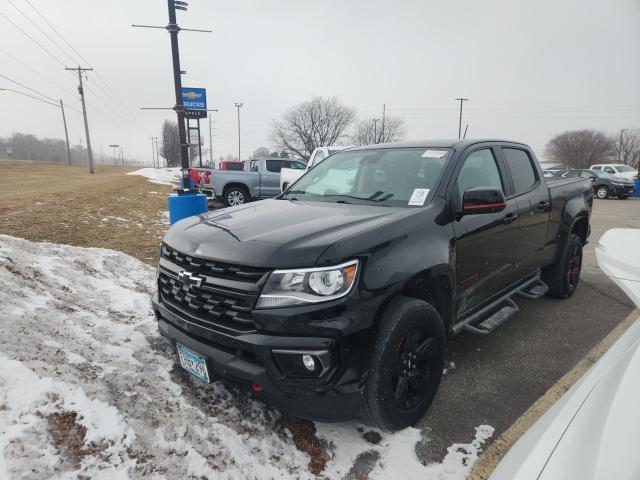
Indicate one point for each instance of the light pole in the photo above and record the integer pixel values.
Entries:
(238, 105)
(622, 130)
(61, 107)
(460, 118)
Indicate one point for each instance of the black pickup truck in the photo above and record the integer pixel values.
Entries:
(335, 299)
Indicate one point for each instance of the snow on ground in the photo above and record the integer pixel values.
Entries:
(163, 176)
(88, 389)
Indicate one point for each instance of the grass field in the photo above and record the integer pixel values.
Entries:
(109, 209)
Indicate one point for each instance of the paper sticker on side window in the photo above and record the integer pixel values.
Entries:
(434, 153)
(419, 196)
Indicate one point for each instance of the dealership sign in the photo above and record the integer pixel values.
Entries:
(195, 102)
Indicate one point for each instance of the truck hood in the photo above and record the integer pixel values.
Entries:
(275, 233)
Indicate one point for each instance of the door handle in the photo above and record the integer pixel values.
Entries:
(510, 218)
(543, 206)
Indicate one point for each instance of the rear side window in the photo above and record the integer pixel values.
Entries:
(521, 168)
(274, 166)
(479, 170)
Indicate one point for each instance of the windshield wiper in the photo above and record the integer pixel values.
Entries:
(364, 199)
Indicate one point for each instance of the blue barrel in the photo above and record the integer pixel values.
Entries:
(637, 188)
(186, 205)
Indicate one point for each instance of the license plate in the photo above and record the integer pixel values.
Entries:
(193, 363)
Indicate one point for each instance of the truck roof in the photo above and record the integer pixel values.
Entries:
(438, 143)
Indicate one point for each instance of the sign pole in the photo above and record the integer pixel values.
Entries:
(199, 144)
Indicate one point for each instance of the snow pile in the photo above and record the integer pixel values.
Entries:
(89, 389)
(163, 176)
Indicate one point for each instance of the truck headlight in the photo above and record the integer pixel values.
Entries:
(286, 288)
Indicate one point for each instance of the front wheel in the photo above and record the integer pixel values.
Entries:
(562, 278)
(234, 196)
(406, 368)
(602, 192)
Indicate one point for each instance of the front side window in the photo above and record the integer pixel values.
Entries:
(386, 176)
(521, 168)
(274, 166)
(294, 165)
(479, 170)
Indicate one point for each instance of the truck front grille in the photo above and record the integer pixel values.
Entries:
(222, 301)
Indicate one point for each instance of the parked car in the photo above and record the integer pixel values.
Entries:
(335, 299)
(605, 184)
(259, 179)
(591, 431)
(552, 173)
(289, 175)
(617, 169)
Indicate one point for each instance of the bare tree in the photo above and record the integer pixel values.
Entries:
(260, 152)
(627, 147)
(580, 148)
(315, 123)
(368, 132)
(170, 148)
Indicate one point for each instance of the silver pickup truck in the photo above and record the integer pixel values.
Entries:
(259, 179)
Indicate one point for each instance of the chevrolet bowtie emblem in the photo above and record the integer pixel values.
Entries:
(189, 279)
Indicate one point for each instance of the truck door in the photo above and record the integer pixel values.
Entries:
(270, 181)
(485, 244)
(534, 206)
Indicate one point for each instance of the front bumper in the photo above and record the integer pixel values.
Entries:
(247, 359)
(625, 190)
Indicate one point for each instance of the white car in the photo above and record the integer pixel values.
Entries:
(591, 432)
(290, 175)
(617, 169)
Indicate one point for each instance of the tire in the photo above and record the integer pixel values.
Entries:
(602, 192)
(234, 196)
(563, 277)
(410, 348)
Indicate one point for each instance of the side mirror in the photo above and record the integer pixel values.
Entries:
(483, 200)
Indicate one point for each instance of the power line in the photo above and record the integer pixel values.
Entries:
(42, 31)
(33, 70)
(114, 97)
(32, 39)
(28, 88)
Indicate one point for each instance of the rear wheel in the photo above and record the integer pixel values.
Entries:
(602, 192)
(563, 277)
(234, 196)
(406, 368)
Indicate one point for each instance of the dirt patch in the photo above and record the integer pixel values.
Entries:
(68, 436)
(65, 204)
(372, 437)
(304, 436)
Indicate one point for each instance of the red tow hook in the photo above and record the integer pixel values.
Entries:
(256, 387)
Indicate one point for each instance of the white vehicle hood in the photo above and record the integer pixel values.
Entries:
(592, 431)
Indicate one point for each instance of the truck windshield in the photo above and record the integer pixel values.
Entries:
(625, 168)
(387, 176)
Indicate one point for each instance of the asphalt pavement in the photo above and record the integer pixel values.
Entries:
(494, 379)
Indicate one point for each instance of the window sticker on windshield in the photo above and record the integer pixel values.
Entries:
(419, 196)
(434, 153)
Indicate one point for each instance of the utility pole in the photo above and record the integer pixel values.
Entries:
(79, 69)
(460, 118)
(375, 130)
(64, 120)
(622, 130)
(66, 132)
(153, 151)
(384, 116)
(115, 160)
(211, 144)
(238, 105)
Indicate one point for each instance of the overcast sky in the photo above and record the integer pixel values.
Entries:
(529, 68)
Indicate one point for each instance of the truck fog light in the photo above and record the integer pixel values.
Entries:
(309, 362)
